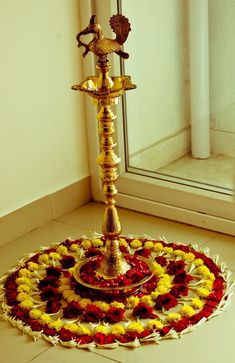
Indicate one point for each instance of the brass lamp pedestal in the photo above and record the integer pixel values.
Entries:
(105, 92)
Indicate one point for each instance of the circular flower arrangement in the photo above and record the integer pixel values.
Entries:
(42, 298)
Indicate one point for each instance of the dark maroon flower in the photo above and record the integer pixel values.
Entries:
(92, 251)
(93, 314)
(143, 311)
(66, 335)
(166, 301)
(53, 306)
(175, 267)
(145, 252)
(35, 325)
(85, 339)
(161, 260)
(67, 261)
(124, 249)
(53, 271)
(49, 293)
(150, 285)
(179, 290)
(72, 310)
(20, 313)
(165, 330)
(48, 281)
(114, 315)
(49, 331)
(100, 338)
(11, 297)
(182, 278)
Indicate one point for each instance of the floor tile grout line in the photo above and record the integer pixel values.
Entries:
(114, 360)
(36, 356)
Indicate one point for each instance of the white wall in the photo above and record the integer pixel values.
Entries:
(158, 63)
(222, 76)
(43, 145)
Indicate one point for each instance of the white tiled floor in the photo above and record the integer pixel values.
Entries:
(212, 342)
(218, 170)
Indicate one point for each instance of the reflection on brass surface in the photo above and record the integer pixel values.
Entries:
(105, 91)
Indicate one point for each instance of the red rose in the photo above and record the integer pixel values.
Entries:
(161, 260)
(182, 278)
(180, 325)
(20, 313)
(35, 325)
(166, 301)
(93, 314)
(49, 331)
(150, 285)
(179, 290)
(72, 310)
(175, 267)
(143, 311)
(66, 335)
(67, 262)
(114, 315)
(145, 252)
(85, 339)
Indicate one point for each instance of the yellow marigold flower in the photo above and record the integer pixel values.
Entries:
(71, 298)
(208, 284)
(161, 289)
(158, 247)
(123, 242)
(135, 327)
(74, 247)
(168, 250)
(23, 281)
(33, 266)
(157, 269)
(132, 301)
(71, 270)
(22, 296)
(57, 324)
(173, 316)
(146, 299)
(197, 303)
(211, 276)
(45, 318)
(118, 329)
(102, 305)
(62, 250)
(24, 273)
(178, 252)
(117, 304)
(188, 256)
(155, 324)
(64, 281)
(55, 256)
(83, 330)
(154, 294)
(23, 288)
(148, 244)
(86, 244)
(165, 278)
(67, 293)
(101, 329)
(203, 292)
(27, 304)
(97, 242)
(198, 262)
(62, 288)
(203, 270)
(187, 310)
(43, 258)
(85, 302)
(72, 327)
(136, 243)
(35, 313)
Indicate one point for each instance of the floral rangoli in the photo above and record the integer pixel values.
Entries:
(43, 299)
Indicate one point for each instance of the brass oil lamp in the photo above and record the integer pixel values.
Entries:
(105, 92)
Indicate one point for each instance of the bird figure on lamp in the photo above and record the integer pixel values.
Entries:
(102, 46)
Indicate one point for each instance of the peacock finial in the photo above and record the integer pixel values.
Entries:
(100, 45)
